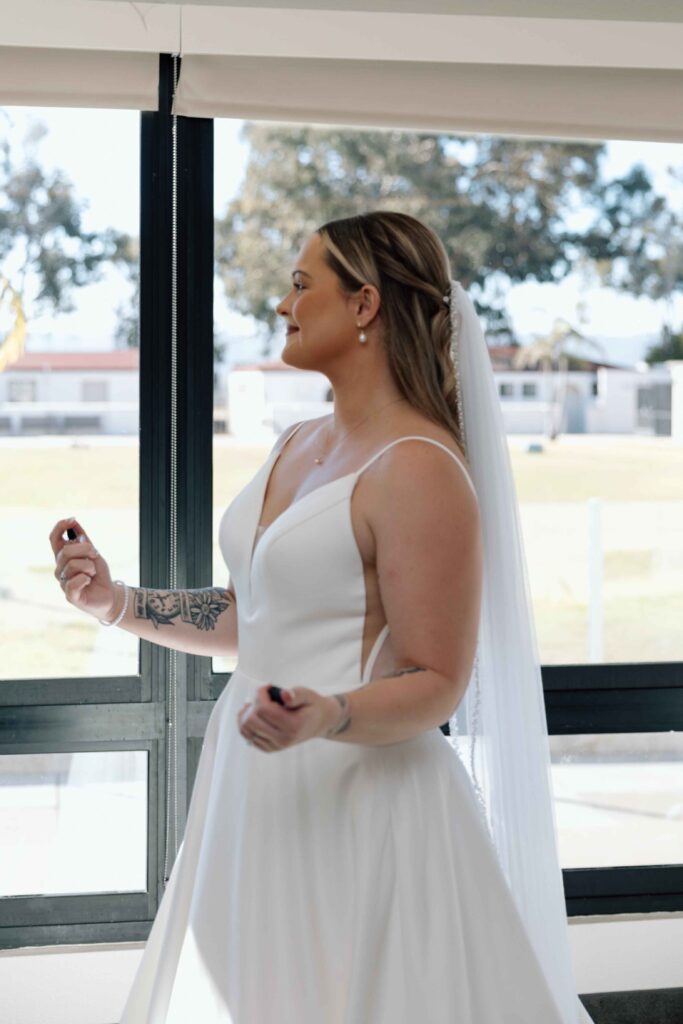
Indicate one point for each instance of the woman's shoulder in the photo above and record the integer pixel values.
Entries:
(409, 424)
(420, 426)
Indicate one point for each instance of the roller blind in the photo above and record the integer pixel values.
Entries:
(557, 102)
(78, 78)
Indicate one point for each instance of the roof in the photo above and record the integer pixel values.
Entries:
(118, 359)
(269, 364)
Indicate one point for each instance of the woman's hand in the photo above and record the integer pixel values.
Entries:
(86, 582)
(270, 726)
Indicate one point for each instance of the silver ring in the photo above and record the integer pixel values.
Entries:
(62, 576)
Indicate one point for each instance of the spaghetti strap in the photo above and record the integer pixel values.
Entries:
(290, 434)
(418, 437)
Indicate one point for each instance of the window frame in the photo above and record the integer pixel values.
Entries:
(51, 715)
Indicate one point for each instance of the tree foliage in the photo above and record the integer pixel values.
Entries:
(506, 209)
(42, 234)
(670, 347)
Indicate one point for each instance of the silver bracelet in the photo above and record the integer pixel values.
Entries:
(345, 716)
(123, 610)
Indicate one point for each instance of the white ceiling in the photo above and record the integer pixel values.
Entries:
(309, 32)
(591, 10)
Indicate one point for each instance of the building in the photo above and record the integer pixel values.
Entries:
(265, 397)
(71, 393)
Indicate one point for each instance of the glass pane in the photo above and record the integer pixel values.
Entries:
(69, 377)
(602, 520)
(586, 386)
(238, 448)
(618, 799)
(73, 823)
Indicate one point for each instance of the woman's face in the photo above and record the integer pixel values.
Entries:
(322, 317)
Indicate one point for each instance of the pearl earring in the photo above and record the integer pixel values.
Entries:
(362, 336)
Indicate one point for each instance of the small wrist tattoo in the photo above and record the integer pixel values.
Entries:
(345, 720)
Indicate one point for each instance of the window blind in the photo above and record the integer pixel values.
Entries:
(47, 77)
(558, 102)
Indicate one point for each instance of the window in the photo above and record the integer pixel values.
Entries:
(94, 391)
(600, 521)
(72, 358)
(80, 791)
(21, 390)
(600, 517)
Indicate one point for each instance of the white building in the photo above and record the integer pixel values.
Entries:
(265, 397)
(71, 392)
(98, 393)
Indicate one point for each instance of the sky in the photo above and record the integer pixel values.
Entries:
(99, 151)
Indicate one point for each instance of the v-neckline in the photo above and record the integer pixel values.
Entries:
(257, 541)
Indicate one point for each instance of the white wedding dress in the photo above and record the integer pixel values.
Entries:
(331, 882)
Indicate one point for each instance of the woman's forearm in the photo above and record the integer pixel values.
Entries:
(395, 707)
(202, 621)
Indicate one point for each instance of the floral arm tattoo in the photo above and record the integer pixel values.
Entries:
(200, 608)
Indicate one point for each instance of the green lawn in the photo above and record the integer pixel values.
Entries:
(645, 469)
(639, 480)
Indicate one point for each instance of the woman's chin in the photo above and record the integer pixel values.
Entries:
(289, 341)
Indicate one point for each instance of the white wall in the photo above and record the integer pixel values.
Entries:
(265, 401)
(676, 369)
(60, 393)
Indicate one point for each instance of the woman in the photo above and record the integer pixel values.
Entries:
(336, 867)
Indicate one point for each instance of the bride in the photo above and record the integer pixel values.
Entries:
(344, 861)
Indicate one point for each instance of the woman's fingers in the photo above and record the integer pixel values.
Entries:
(267, 717)
(74, 567)
(73, 551)
(74, 586)
(57, 541)
(258, 731)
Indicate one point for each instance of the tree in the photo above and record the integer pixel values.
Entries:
(550, 352)
(41, 233)
(503, 207)
(671, 347)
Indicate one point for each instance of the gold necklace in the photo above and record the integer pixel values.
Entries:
(319, 461)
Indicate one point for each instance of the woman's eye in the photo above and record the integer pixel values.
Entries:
(297, 285)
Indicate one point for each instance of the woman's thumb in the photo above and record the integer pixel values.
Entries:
(291, 698)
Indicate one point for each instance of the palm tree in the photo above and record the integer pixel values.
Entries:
(12, 341)
(548, 350)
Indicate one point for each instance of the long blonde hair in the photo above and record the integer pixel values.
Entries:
(408, 264)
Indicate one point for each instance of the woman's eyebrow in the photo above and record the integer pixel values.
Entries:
(300, 272)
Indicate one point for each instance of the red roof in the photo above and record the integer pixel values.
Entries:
(270, 364)
(119, 359)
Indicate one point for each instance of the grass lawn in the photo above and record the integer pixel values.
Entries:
(639, 479)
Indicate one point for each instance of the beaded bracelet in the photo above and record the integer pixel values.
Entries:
(123, 610)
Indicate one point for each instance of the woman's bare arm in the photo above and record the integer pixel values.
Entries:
(430, 570)
(202, 621)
